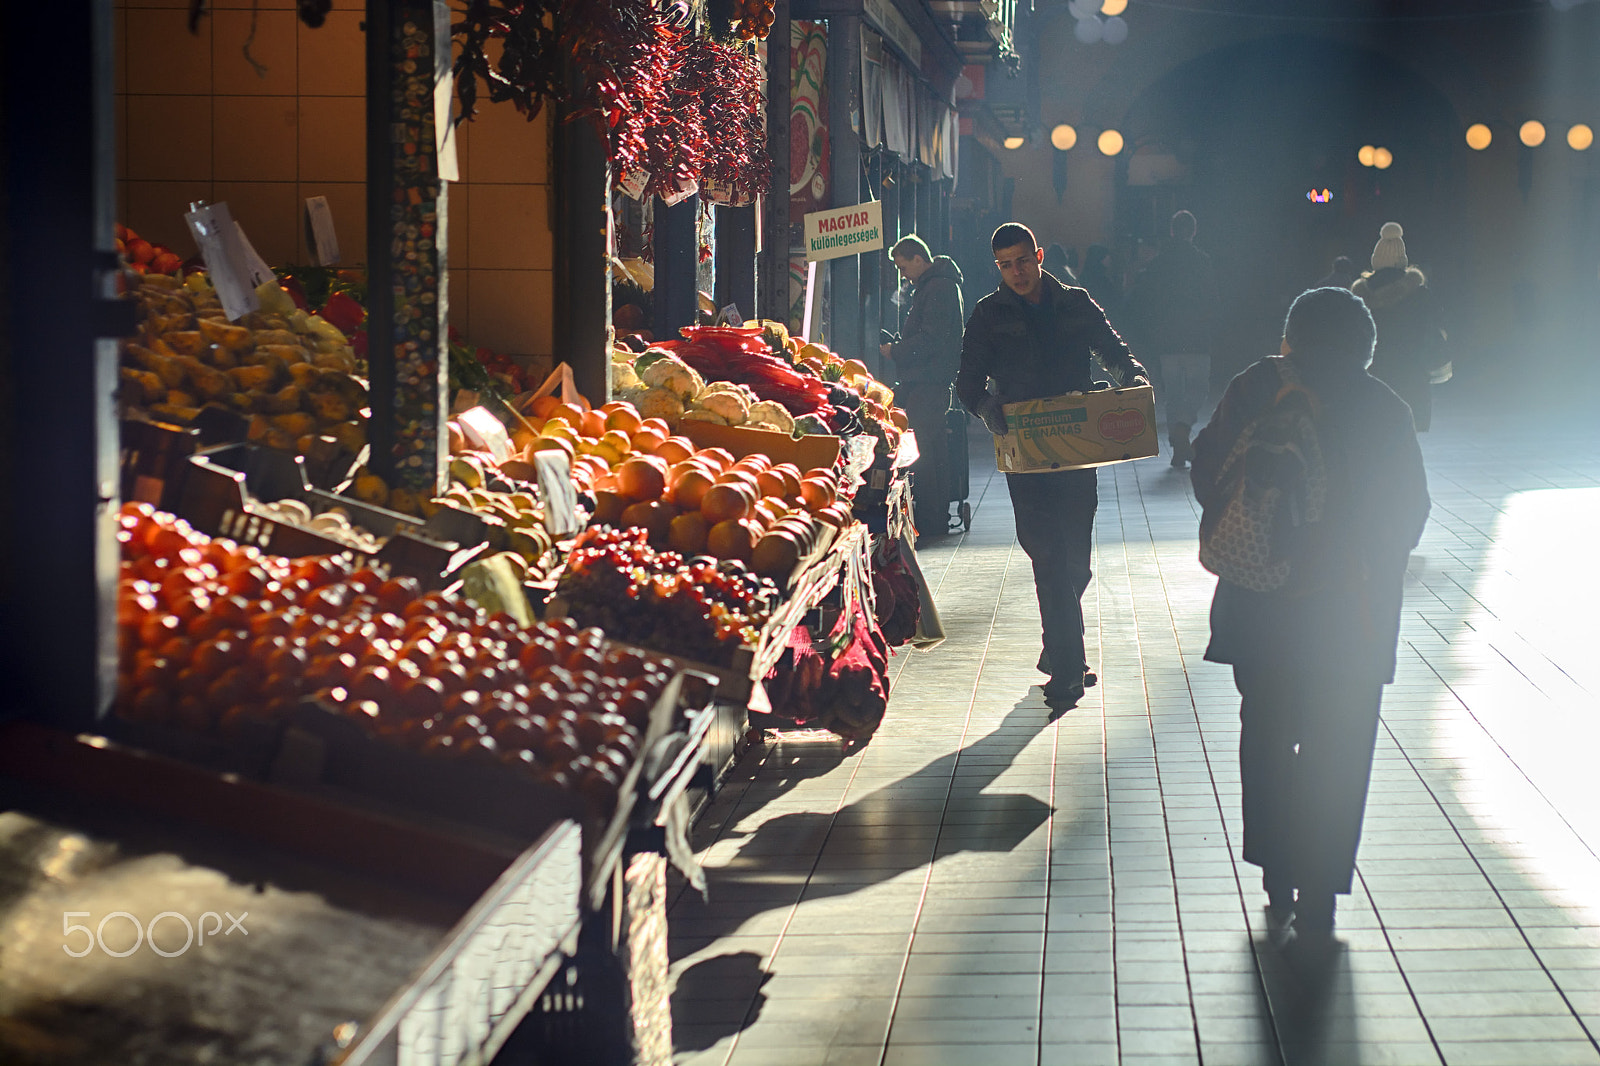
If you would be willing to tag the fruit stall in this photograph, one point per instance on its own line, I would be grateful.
(416, 664)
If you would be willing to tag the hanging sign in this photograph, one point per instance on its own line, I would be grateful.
(844, 231)
(320, 234)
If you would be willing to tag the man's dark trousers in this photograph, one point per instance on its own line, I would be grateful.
(925, 404)
(1055, 526)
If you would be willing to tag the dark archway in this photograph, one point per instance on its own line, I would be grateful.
(1257, 125)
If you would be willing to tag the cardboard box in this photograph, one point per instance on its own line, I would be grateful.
(808, 452)
(1080, 429)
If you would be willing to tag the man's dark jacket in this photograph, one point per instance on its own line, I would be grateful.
(1349, 625)
(1172, 309)
(1037, 350)
(929, 348)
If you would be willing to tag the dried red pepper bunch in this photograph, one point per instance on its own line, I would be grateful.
(731, 87)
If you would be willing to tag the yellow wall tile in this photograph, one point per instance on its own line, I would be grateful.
(256, 138)
(506, 147)
(508, 227)
(156, 208)
(273, 47)
(511, 310)
(164, 57)
(333, 138)
(270, 213)
(169, 138)
(333, 58)
(348, 203)
(120, 110)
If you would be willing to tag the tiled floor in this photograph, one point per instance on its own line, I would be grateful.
(981, 885)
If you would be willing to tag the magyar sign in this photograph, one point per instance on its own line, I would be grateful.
(844, 231)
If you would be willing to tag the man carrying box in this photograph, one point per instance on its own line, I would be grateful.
(1033, 338)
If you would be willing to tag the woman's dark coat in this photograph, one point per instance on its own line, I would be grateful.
(1377, 506)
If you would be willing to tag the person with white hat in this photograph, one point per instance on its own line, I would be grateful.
(1410, 350)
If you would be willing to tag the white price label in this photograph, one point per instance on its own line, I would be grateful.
(222, 248)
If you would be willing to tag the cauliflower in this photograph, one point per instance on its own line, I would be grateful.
(700, 414)
(673, 374)
(657, 403)
(772, 413)
(729, 404)
(623, 377)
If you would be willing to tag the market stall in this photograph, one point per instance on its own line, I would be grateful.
(418, 654)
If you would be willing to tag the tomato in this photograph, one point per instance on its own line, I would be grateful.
(398, 593)
(371, 683)
(153, 672)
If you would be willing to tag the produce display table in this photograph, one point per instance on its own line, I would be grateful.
(361, 937)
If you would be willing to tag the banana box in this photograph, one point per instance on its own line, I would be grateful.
(1080, 429)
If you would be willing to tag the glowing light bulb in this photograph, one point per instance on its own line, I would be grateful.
(1366, 154)
(1110, 142)
(1014, 142)
(1063, 137)
(1381, 158)
(1580, 137)
(1532, 133)
(1478, 136)
(1113, 7)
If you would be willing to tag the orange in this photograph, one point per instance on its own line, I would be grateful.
(673, 449)
(571, 414)
(732, 539)
(625, 417)
(649, 442)
(727, 502)
(720, 458)
(643, 477)
(687, 533)
(689, 488)
(657, 424)
(593, 424)
(816, 492)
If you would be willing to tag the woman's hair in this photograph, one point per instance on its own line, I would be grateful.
(1331, 326)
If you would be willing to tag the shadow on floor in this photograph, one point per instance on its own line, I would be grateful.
(733, 977)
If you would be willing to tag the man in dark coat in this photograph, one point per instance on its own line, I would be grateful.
(1172, 313)
(1034, 338)
(925, 358)
(1310, 660)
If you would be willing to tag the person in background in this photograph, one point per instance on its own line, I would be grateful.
(926, 356)
(1057, 265)
(1310, 660)
(1410, 339)
(1035, 337)
(1342, 276)
(1172, 309)
(1103, 285)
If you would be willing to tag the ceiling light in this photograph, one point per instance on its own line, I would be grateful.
(1110, 142)
(1365, 155)
(1381, 158)
(1478, 136)
(1014, 142)
(1532, 133)
(1580, 137)
(1113, 7)
(1063, 137)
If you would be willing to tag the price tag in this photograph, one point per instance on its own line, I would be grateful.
(483, 430)
(633, 182)
(730, 316)
(255, 266)
(560, 497)
(320, 232)
(221, 247)
(682, 193)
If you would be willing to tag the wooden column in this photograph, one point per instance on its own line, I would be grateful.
(844, 331)
(735, 262)
(582, 327)
(408, 365)
(58, 365)
(676, 257)
(772, 270)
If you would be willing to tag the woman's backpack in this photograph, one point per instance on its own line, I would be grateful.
(1274, 483)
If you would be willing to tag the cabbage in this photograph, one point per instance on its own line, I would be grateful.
(670, 373)
(773, 413)
(658, 403)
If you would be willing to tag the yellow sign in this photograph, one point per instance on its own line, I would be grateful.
(844, 231)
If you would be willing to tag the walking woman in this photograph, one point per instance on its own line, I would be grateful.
(1310, 658)
(1410, 338)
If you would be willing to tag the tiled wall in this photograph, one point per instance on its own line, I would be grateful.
(196, 121)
